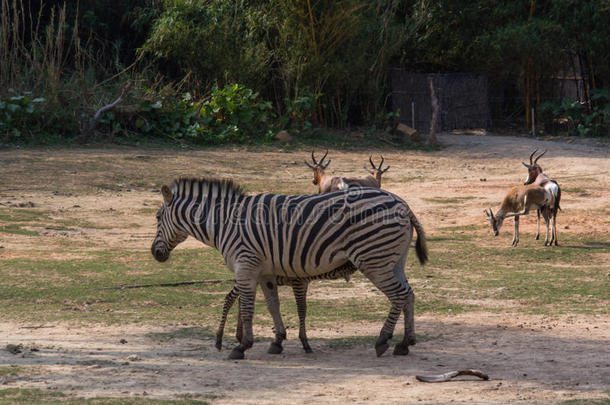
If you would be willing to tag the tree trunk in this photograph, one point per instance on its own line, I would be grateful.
(435, 110)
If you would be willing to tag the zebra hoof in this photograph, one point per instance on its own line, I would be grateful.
(219, 344)
(400, 350)
(275, 348)
(381, 348)
(236, 354)
(412, 341)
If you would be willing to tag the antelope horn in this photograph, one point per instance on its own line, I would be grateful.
(371, 160)
(532, 155)
(539, 156)
(314, 158)
(492, 213)
(323, 157)
(381, 164)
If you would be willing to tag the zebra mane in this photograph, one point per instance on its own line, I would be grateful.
(182, 184)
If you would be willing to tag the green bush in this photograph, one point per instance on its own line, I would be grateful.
(20, 117)
(577, 118)
(232, 114)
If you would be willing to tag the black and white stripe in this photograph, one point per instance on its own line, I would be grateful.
(265, 236)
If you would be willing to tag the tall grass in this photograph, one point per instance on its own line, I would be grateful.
(36, 51)
(44, 56)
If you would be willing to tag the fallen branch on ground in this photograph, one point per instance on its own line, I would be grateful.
(448, 376)
(125, 287)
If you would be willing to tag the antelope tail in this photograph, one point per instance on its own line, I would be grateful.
(420, 245)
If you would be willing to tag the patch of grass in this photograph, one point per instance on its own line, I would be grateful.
(576, 190)
(10, 370)
(534, 278)
(17, 230)
(448, 200)
(467, 272)
(36, 396)
(21, 215)
(60, 228)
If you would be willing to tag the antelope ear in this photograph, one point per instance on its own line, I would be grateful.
(525, 164)
(168, 196)
(386, 169)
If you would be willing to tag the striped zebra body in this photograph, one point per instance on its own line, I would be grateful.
(265, 236)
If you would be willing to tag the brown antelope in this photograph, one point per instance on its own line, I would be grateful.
(374, 180)
(325, 182)
(536, 176)
(519, 201)
(376, 172)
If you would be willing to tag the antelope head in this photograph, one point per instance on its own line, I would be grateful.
(533, 169)
(376, 171)
(496, 222)
(318, 167)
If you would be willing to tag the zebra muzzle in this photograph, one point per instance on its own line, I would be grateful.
(160, 252)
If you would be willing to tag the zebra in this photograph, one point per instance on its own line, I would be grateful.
(326, 183)
(299, 288)
(267, 235)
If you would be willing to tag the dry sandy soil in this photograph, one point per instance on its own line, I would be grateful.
(530, 359)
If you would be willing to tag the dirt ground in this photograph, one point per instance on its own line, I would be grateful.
(530, 359)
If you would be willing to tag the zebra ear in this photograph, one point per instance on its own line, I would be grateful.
(168, 196)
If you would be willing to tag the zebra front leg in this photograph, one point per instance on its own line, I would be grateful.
(299, 288)
(239, 329)
(516, 232)
(246, 285)
(272, 299)
(229, 300)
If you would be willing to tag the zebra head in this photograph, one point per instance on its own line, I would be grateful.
(169, 233)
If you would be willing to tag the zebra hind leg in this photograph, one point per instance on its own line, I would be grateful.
(299, 288)
(402, 348)
(229, 301)
(393, 284)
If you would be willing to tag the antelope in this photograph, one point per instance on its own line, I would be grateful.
(536, 176)
(519, 201)
(325, 182)
(374, 180)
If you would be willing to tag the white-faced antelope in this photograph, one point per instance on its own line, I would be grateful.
(519, 201)
(536, 176)
(325, 182)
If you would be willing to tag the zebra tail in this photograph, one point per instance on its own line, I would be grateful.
(420, 245)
